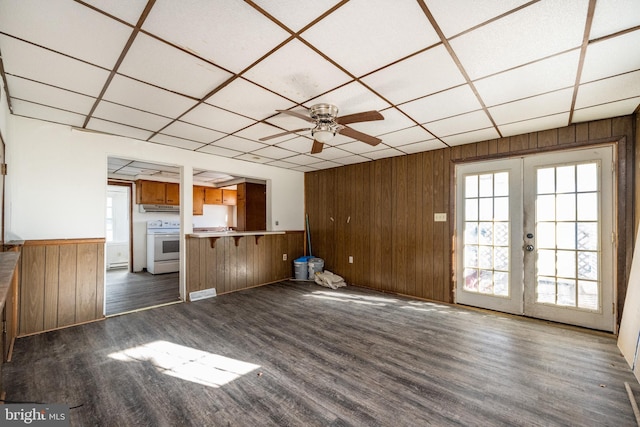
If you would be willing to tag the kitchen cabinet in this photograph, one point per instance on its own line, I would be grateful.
(198, 199)
(229, 197)
(172, 194)
(218, 196)
(212, 196)
(252, 207)
(157, 193)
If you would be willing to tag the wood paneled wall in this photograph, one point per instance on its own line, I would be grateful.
(61, 283)
(381, 212)
(229, 268)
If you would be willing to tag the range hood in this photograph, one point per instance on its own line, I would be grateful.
(159, 208)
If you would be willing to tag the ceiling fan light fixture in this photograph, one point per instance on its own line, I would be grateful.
(323, 134)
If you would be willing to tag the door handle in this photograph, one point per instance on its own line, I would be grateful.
(529, 248)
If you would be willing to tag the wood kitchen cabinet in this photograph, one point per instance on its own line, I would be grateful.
(218, 196)
(229, 197)
(252, 207)
(157, 193)
(172, 194)
(198, 199)
(212, 196)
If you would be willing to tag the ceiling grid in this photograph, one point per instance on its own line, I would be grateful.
(210, 75)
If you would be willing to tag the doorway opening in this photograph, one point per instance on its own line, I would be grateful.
(535, 236)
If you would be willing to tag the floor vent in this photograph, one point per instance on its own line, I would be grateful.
(206, 293)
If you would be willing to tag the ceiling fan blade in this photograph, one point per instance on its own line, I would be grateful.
(317, 147)
(352, 133)
(266, 138)
(365, 116)
(296, 114)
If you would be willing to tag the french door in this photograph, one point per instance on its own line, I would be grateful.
(535, 236)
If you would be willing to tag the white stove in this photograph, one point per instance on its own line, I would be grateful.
(163, 246)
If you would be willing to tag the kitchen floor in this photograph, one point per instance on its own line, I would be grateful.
(126, 291)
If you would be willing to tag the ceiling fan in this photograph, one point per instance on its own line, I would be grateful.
(327, 124)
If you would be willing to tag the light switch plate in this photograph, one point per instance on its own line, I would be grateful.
(440, 217)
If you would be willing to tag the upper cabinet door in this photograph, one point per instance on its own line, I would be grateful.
(172, 194)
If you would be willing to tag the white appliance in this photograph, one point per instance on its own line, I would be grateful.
(163, 246)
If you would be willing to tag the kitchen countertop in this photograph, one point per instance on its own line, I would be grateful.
(232, 233)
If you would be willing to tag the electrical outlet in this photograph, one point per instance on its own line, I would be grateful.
(277, 222)
(350, 259)
(284, 257)
(440, 217)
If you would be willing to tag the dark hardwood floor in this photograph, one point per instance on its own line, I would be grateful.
(296, 354)
(127, 291)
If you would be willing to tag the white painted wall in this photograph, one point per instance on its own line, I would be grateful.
(57, 180)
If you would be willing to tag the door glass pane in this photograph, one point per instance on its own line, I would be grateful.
(568, 250)
(486, 234)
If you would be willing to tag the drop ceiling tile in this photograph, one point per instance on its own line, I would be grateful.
(128, 11)
(232, 34)
(294, 15)
(303, 169)
(147, 168)
(602, 111)
(612, 56)
(324, 165)
(147, 61)
(299, 145)
(543, 76)
(358, 35)
(351, 160)
(288, 122)
(419, 147)
(454, 17)
(118, 129)
(283, 164)
(261, 130)
(219, 151)
(608, 90)
(176, 142)
(537, 106)
(253, 158)
(35, 111)
(449, 103)
(272, 152)
(331, 153)
(234, 96)
(297, 73)
(351, 98)
(393, 120)
(31, 62)
(193, 132)
(520, 38)
(459, 124)
(358, 147)
(126, 91)
(129, 116)
(381, 154)
(66, 27)
(613, 16)
(302, 159)
(406, 136)
(239, 144)
(133, 172)
(216, 118)
(533, 125)
(469, 137)
(48, 95)
(420, 75)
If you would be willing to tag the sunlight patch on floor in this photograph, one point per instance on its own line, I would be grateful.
(190, 364)
(346, 297)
